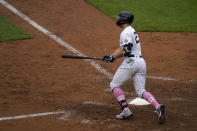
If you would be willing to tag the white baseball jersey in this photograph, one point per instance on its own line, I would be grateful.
(133, 65)
(129, 41)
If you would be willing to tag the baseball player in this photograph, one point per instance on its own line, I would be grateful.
(133, 66)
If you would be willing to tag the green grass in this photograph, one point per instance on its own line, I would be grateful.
(9, 31)
(154, 15)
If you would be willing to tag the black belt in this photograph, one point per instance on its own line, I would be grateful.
(131, 55)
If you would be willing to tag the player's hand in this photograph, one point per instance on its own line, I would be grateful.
(108, 59)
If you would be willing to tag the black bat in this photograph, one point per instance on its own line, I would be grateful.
(79, 57)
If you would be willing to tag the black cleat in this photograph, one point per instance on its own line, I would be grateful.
(161, 113)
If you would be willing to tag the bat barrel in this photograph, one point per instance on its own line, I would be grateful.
(79, 57)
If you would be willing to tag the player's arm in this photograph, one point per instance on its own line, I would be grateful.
(118, 53)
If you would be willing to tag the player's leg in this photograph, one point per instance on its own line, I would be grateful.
(139, 80)
(149, 97)
(139, 84)
(160, 108)
(121, 76)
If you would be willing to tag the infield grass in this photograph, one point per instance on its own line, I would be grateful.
(154, 15)
(9, 31)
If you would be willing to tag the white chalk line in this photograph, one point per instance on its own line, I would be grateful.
(31, 115)
(162, 78)
(66, 45)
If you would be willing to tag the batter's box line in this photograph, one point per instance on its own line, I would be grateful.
(69, 47)
(31, 115)
(170, 79)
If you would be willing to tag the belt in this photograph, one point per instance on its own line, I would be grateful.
(131, 55)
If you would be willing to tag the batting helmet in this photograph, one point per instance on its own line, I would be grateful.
(124, 17)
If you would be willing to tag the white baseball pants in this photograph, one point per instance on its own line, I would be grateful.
(135, 68)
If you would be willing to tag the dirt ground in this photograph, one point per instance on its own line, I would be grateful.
(34, 79)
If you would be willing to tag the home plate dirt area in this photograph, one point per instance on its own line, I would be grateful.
(40, 91)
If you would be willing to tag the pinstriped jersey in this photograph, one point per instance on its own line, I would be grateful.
(129, 42)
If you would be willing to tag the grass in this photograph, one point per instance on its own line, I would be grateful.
(9, 31)
(154, 15)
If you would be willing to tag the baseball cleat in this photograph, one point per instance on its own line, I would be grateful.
(124, 114)
(161, 113)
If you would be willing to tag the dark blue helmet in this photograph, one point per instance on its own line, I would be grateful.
(124, 17)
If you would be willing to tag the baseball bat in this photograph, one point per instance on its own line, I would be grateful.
(79, 57)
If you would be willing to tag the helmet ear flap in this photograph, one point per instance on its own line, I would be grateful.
(120, 23)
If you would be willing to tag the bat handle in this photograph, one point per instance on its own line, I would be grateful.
(98, 58)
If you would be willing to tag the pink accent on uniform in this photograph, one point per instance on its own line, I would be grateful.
(148, 96)
(120, 98)
(119, 94)
(123, 104)
(126, 108)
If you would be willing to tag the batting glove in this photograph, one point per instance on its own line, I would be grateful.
(108, 59)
